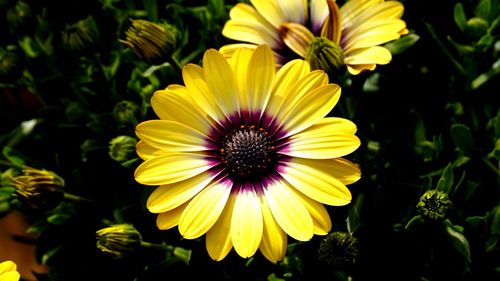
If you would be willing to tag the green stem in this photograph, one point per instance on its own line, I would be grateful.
(157, 246)
(76, 198)
(175, 64)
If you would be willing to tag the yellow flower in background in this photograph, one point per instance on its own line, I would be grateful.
(326, 36)
(245, 155)
(8, 271)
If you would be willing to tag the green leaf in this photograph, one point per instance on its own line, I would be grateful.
(37, 227)
(461, 48)
(353, 219)
(4, 207)
(497, 125)
(402, 44)
(50, 253)
(58, 219)
(446, 181)
(486, 76)
(459, 17)
(475, 221)
(495, 221)
(462, 137)
(273, 277)
(458, 240)
(483, 10)
(415, 221)
(151, 7)
(13, 156)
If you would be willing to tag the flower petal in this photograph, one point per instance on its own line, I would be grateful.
(356, 69)
(309, 109)
(260, 76)
(221, 82)
(171, 168)
(7, 266)
(167, 220)
(246, 222)
(170, 196)
(174, 104)
(146, 151)
(322, 223)
(172, 136)
(204, 209)
(218, 241)
(271, 11)
(372, 55)
(274, 239)
(296, 36)
(239, 62)
(10, 276)
(194, 78)
(314, 178)
(344, 170)
(319, 12)
(289, 212)
(328, 138)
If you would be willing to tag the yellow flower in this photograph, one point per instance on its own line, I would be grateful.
(357, 29)
(243, 153)
(8, 271)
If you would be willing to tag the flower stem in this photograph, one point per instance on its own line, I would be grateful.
(76, 198)
(156, 246)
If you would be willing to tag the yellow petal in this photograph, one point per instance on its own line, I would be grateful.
(383, 10)
(249, 31)
(319, 12)
(381, 25)
(370, 39)
(170, 196)
(167, 220)
(172, 136)
(245, 15)
(10, 276)
(323, 140)
(356, 69)
(372, 55)
(294, 10)
(221, 82)
(296, 36)
(204, 209)
(322, 223)
(343, 170)
(293, 86)
(270, 10)
(7, 266)
(260, 78)
(246, 223)
(314, 179)
(332, 27)
(310, 109)
(239, 63)
(174, 104)
(351, 9)
(194, 78)
(146, 151)
(274, 240)
(171, 168)
(289, 212)
(218, 240)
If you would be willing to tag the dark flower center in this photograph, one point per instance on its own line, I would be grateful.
(248, 152)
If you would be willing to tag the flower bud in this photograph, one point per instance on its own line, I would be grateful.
(125, 111)
(477, 27)
(40, 189)
(118, 241)
(339, 250)
(326, 55)
(81, 35)
(122, 148)
(434, 205)
(150, 41)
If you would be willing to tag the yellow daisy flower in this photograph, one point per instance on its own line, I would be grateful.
(243, 153)
(326, 36)
(8, 271)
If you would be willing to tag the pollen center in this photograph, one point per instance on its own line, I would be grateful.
(248, 152)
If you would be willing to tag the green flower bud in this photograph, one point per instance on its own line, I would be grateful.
(18, 15)
(40, 189)
(477, 27)
(10, 63)
(150, 41)
(81, 35)
(339, 250)
(118, 241)
(122, 148)
(434, 205)
(326, 55)
(125, 111)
